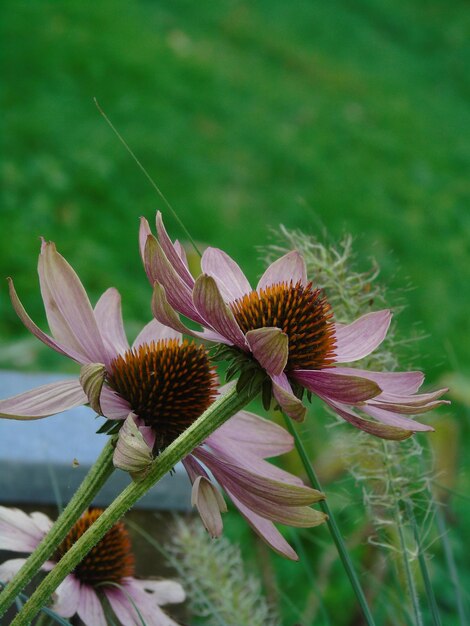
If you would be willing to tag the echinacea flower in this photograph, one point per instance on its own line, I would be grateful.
(284, 327)
(235, 456)
(115, 379)
(106, 571)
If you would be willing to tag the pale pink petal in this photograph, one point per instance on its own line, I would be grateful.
(21, 532)
(67, 597)
(89, 607)
(357, 340)
(289, 268)
(210, 504)
(230, 279)
(390, 382)
(9, 569)
(210, 304)
(181, 252)
(147, 432)
(37, 332)
(122, 606)
(193, 467)
(417, 400)
(147, 605)
(160, 270)
(173, 253)
(210, 335)
(288, 402)
(109, 319)
(69, 297)
(113, 406)
(44, 401)
(270, 347)
(144, 234)
(337, 387)
(155, 331)
(247, 431)
(265, 529)
(406, 409)
(162, 591)
(394, 419)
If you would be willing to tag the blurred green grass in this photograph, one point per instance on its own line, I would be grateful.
(349, 118)
(248, 114)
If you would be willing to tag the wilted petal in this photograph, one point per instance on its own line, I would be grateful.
(66, 293)
(108, 316)
(173, 253)
(211, 305)
(44, 401)
(37, 332)
(210, 504)
(113, 406)
(289, 268)
(357, 340)
(132, 454)
(288, 402)
(230, 279)
(89, 608)
(21, 532)
(338, 387)
(270, 347)
(155, 331)
(92, 378)
(390, 382)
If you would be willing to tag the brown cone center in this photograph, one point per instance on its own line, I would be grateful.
(168, 384)
(302, 312)
(110, 561)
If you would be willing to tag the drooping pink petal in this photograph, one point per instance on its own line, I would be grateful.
(248, 431)
(210, 504)
(193, 467)
(44, 401)
(37, 332)
(289, 268)
(21, 532)
(162, 591)
(384, 431)
(113, 406)
(144, 234)
(356, 340)
(155, 331)
(394, 419)
(147, 432)
(181, 252)
(265, 529)
(270, 347)
(177, 291)
(288, 402)
(173, 253)
(109, 319)
(89, 607)
(417, 400)
(147, 604)
(390, 382)
(337, 387)
(210, 304)
(406, 409)
(230, 279)
(68, 295)
(67, 597)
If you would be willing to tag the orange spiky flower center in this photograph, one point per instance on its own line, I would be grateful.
(110, 561)
(301, 312)
(168, 385)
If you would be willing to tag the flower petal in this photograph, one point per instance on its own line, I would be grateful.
(144, 234)
(338, 387)
(173, 253)
(389, 382)
(209, 302)
(270, 347)
(44, 401)
(357, 340)
(162, 591)
(155, 331)
(91, 379)
(132, 454)
(230, 279)
(113, 406)
(210, 504)
(108, 316)
(67, 295)
(132, 594)
(9, 569)
(177, 291)
(89, 607)
(265, 529)
(288, 402)
(21, 532)
(37, 332)
(289, 268)
(406, 409)
(67, 597)
(394, 419)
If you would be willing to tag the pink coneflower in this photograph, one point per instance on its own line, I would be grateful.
(106, 571)
(284, 328)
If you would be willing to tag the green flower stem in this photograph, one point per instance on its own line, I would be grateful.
(92, 483)
(218, 413)
(332, 526)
